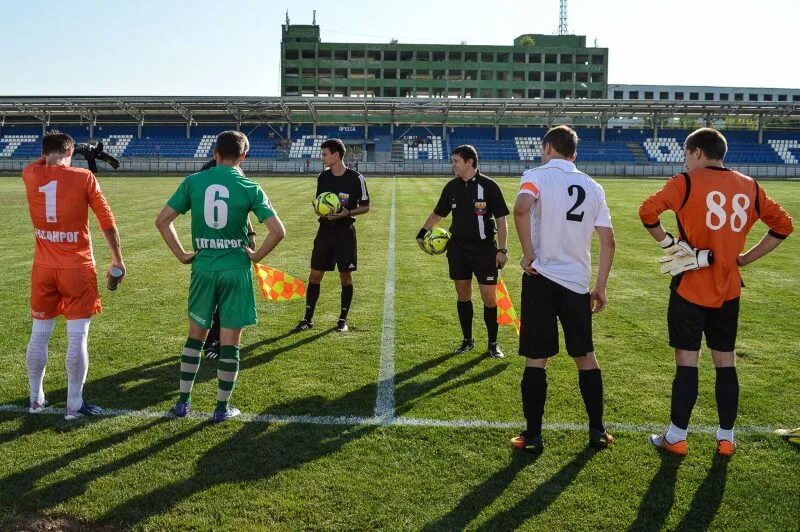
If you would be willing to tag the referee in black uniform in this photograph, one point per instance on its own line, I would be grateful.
(479, 212)
(335, 243)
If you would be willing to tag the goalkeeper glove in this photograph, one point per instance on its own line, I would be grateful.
(672, 245)
(112, 161)
(687, 258)
(92, 153)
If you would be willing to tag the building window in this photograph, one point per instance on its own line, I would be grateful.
(390, 92)
(663, 95)
(597, 77)
(518, 93)
(566, 59)
(503, 76)
(487, 75)
(679, 96)
(781, 97)
(582, 59)
(617, 95)
(340, 55)
(633, 95)
(582, 94)
(738, 97)
(597, 95)
(439, 74)
(407, 55)
(565, 93)
(582, 77)
(752, 97)
(767, 97)
(723, 96)
(373, 55)
(486, 93)
(551, 59)
(549, 93)
(566, 76)
(519, 58)
(648, 95)
(519, 76)
(423, 56)
(356, 55)
(470, 75)
(456, 56)
(439, 56)
(503, 57)
(551, 76)
(487, 57)
(710, 96)
(796, 97)
(292, 72)
(534, 76)
(694, 96)
(471, 57)
(390, 55)
(534, 93)
(390, 73)
(534, 58)
(598, 60)
(292, 55)
(325, 54)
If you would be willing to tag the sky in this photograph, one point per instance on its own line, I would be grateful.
(227, 48)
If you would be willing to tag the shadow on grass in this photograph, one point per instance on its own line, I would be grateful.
(660, 496)
(708, 497)
(542, 497)
(157, 381)
(483, 495)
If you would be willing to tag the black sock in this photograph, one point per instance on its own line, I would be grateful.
(490, 319)
(684, 396)
(347, 299)
(534, 394)
(465, 317)
(590, 382)
(727, 392)
(213, 332)
(312, 294)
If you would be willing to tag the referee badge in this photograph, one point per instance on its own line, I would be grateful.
(343, 197)
(480, 208)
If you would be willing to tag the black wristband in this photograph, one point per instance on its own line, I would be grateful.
(421, 233)
(251, 233)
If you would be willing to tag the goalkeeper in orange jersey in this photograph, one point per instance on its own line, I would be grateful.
(64, 278)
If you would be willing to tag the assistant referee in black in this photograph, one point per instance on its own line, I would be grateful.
(478, 243)
(335, 243)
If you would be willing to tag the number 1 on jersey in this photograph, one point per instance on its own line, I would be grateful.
(49, 191)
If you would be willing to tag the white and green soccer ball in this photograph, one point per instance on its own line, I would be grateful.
(436, 240)
(327, 203)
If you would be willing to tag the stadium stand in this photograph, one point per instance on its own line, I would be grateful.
(424, 149)
(418, 143)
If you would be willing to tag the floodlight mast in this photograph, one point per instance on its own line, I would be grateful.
(562, 19)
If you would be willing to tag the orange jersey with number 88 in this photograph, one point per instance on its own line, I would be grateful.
(715, 207)
(59, 199)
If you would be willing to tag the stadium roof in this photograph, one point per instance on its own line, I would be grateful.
(354, 111)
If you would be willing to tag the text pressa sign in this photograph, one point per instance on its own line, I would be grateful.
(346, 129)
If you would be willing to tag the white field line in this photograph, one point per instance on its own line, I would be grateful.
(384, 402)
(641, 428)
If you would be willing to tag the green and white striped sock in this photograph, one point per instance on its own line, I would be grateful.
(227, 371)
(190, 365)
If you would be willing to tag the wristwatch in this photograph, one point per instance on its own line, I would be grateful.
(504, 251)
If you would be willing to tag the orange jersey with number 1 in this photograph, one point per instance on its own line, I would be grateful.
(715, 207)
(59, 198)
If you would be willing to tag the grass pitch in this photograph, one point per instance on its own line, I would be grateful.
(143, 471)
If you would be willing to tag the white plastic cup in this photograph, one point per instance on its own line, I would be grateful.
(115, 274)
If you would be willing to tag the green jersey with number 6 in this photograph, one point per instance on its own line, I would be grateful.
(220, 199)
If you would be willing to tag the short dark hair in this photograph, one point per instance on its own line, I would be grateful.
(710, 141)
(232, 144)
(55, 141)
(467, 152)
(334, 146)
(563, 139)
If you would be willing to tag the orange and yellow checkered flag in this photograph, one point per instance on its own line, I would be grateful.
(506, 315)
(277, 286)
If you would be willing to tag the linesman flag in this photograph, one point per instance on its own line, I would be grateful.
(278, 286)
(506, 315)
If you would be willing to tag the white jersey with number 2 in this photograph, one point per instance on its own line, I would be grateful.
(569, 205)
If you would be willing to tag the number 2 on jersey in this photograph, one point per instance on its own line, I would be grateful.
(571, 216)
(215, 211)
(716, 217)
(49, 191)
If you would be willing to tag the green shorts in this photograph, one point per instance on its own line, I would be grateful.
(229, 290)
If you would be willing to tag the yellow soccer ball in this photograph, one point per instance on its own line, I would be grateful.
(327, 203)
(436, 240)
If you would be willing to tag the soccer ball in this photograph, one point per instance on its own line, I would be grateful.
(436, 240)
(327, 203)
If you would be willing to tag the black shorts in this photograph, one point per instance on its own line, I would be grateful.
(479, 259)
(335, 246)
(544, 303)
(687, 322)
